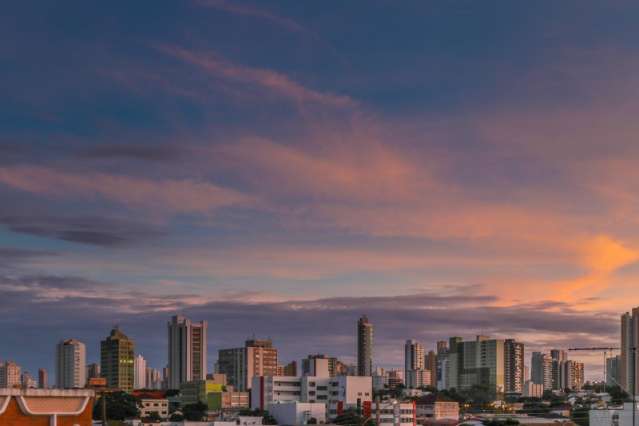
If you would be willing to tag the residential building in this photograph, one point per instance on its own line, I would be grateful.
(533, 390)
(257, 358)
(289, 369)
(36, 407)
(392, 413)
(416, 379)
(338, 393)
(513, 367)
(43, 379)
(153, 379)
(364, 347)
(432, 409)
(298, 413)
(117, 360)
(27, 381)
(187, 350)
(572, 375)
(413, 356)
(152, 405)
(394, 378)
(613, 365)
(139, 373)
(335, 367)
(628, 371)
(557, 357)
(541, 369)
(70, 364)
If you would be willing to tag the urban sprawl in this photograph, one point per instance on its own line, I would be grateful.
(484, 381)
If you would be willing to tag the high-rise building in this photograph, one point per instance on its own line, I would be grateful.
(572, 375)
(187, 351)
(557, 357)
(153, 378)
(335, 367)
(628, 370)
(139, 372)
(256, 358)
(9, 374)
(93, 371)
(27, 381)
(117, 359)
(613, 365)
(414, 364)
(364, 347)
(71, 358)
(541, 369)
(514, 366)
(43, 379)
(430, 363)
(481, 363)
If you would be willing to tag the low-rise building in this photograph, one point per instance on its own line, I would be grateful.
(622, 416)
(431, 409)
(198, 390)
(159, 406)
(391, 413)
(298, 413)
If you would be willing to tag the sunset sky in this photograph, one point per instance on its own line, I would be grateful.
(279, 168)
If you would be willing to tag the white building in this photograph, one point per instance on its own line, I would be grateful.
(394, 413)
(70, 364)
(336, 393)
(187, 351)
(613, 417)
(159, 406)
(413, 356)
(298, 413)
(139, 373)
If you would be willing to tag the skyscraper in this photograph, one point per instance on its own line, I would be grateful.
(43, 379)
(256, 358)
(613, 365)
(541, 369)
(514, 366)
(71, 358)
(364, 347)
(187, 351)
(139, 373)
(628, 370)
(430, 363)
(481, 362)
(117, 359)
(558, 357)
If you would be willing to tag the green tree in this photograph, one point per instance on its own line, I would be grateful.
(119, 406)
(194, 412)
(580, 415)
(176, 417)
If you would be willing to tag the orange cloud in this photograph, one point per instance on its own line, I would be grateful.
(176, 196)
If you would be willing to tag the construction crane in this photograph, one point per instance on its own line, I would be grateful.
(605, 351)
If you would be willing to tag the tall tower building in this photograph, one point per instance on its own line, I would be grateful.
(93, 371)
(481, 362)
(187, 351)
(9, 374)
(413, 362)
(139, 373)
(541, 369)
(70, 362)
(514, 377)
(117, 360)
(43, 379)
(558, 357)
(430, 363)
(256, 358)
(364, 347)
(628, 371)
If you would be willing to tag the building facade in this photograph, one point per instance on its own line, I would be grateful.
(541, 369)
(139, 373)
(43, 378)
(70, 361)
(514, 366)
(364, 347)
(117, 359)
(628, 370)
(257, 358)
(187, 350)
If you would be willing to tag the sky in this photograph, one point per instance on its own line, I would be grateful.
(279, 168)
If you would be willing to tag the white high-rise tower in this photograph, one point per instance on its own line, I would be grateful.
(71, 370)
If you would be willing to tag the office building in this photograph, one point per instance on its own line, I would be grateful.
(557, 357)
(93, 371)
(43, 379)
(628, 370)
(364, 347)
(257, 358)
(117, 360)
(541, 369)
(153, 379)
(481, 363)
(187, 350)
(513, 367)
(139, 373)
(335, 367)
(70, 364)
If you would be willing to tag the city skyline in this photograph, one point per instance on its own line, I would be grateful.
(280, 169)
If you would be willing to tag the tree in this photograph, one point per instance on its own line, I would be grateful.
(176, 417)
(195, 412)
(617, 395)
(119, 406)
(580, 415)
(153, 417)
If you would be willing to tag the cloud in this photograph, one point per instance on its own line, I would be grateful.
(265, 79)
(165, 195)
(98, 231)
(252, 11)
(154, 152)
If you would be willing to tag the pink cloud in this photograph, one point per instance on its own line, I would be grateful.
(175, 196)
(271, 81)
